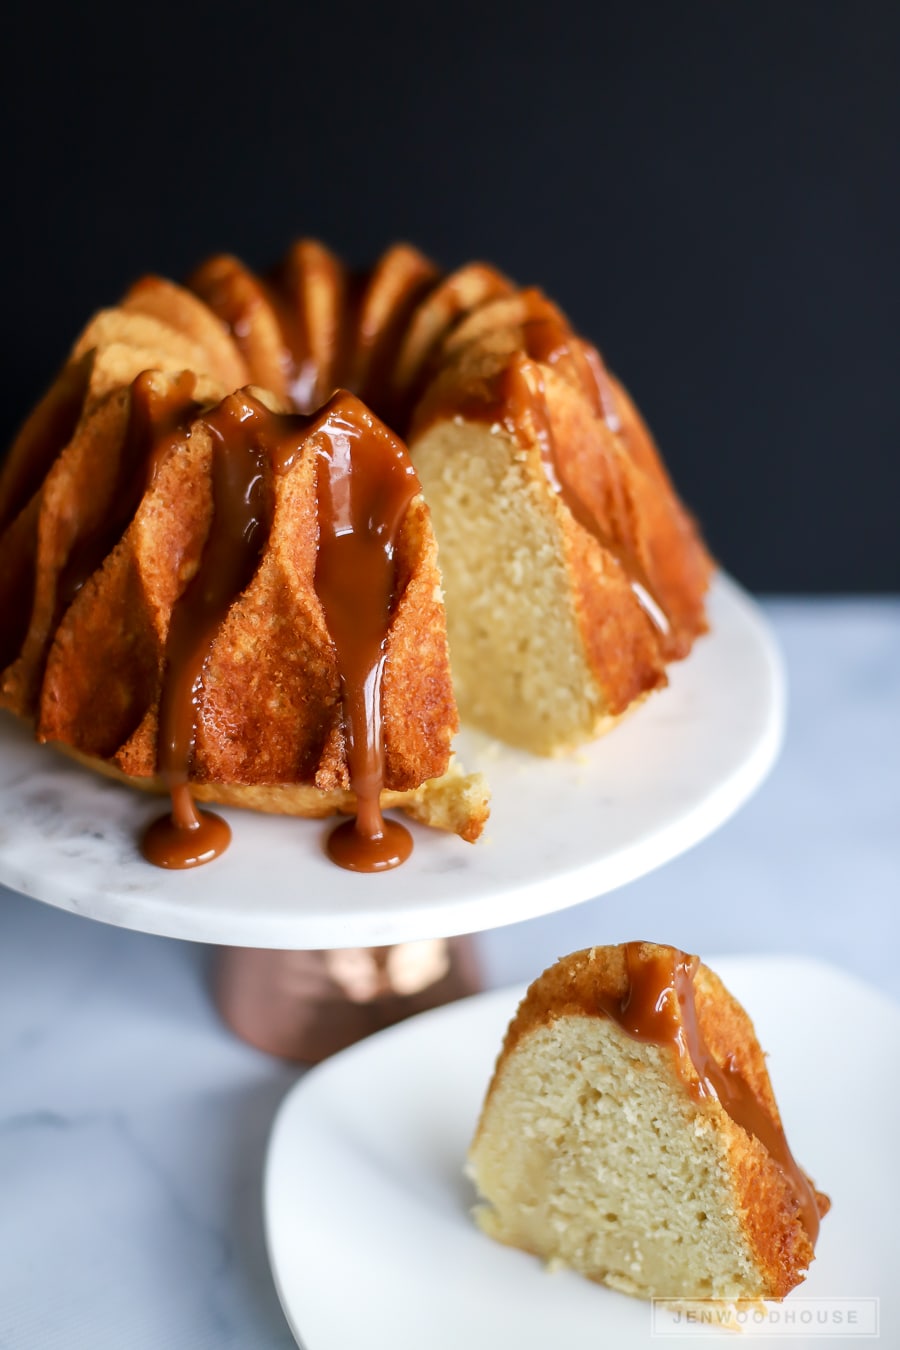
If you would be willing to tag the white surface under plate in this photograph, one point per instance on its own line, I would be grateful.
(367, 1208)
(561, 831)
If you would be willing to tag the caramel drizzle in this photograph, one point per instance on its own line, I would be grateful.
(365, 483)
(240, 521)
(659, 1008)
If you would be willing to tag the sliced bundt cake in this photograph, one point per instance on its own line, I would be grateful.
(572, 573)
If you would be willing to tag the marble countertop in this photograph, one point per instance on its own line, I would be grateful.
(133, 1126)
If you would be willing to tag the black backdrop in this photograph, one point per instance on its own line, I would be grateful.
(709, 189)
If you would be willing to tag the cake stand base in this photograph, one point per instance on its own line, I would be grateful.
(307, 1005)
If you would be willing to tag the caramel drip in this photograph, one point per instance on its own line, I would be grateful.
(156, 422)
(659, 1008)
(186, 837)
(44, 436)
(240, 521)
(525, 404)
(365, 483)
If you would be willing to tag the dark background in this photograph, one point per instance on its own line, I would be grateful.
(709, 189)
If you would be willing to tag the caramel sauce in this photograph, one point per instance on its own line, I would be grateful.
(659, 1008)
(385, 844)
(185, 837)
(365, 483)
(238, 530)
(156, 422)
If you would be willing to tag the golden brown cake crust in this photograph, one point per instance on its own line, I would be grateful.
(616, 473)
(271, 706)
(575, 986)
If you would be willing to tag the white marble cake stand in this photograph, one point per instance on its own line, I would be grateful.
(561, 831)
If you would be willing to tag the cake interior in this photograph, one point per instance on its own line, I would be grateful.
(500, 537)
(595, 1156)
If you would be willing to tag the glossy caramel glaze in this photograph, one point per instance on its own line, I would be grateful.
(185, 837)
(659, 1007)
(365, 484)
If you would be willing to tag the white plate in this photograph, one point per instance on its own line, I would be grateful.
(366, 1206)
(561, 831)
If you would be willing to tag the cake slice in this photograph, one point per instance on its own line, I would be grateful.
(630, 1132)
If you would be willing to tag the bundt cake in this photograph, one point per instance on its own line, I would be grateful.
(166, 511)
(630, 1132)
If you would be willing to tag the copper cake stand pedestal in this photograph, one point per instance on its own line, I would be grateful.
(308, 1005)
